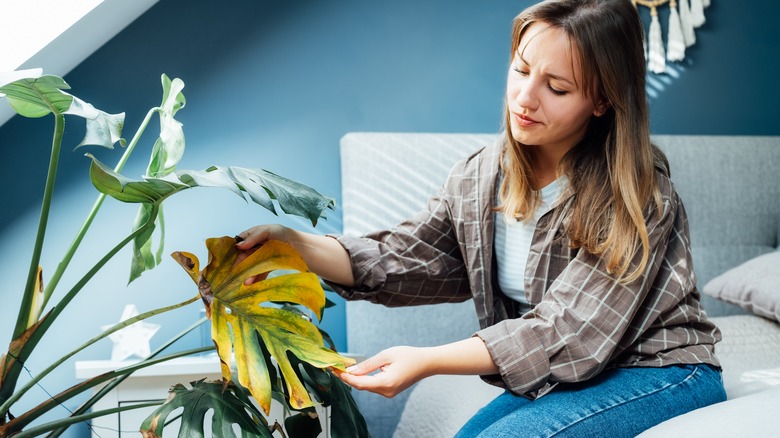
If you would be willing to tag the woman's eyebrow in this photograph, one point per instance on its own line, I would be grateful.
(551, 75)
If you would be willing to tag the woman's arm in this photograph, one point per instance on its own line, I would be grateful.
(323, 255)
(401, 367)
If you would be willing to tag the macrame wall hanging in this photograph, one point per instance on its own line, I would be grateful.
(680, 33)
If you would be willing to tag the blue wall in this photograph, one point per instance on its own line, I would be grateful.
(275, 84)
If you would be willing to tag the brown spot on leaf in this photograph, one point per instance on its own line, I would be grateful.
(204, 288)
(150, 433)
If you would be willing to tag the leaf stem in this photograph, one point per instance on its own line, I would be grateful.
(59, 307)
(116, 327)
(114, 383)
(120, 374)
(67, 421)
(55, 279)
(27, 299)
(46, 322)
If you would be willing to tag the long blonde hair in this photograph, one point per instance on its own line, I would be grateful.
(612, 169)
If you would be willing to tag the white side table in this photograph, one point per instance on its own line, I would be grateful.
(152, 383)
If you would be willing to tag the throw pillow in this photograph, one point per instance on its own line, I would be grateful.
(753, 286)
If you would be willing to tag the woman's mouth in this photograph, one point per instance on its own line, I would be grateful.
(524, 121)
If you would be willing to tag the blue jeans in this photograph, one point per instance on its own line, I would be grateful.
(620, 402)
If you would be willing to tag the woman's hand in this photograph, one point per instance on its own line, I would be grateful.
(256, 236)
(399, 368)
(252, 239)
(323, 255)
(402, 367)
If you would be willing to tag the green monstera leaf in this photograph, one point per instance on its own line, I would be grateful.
(260, 186)
(39, 96)
(166, 154)
(229, 406)
(239, 314)
(169, 147)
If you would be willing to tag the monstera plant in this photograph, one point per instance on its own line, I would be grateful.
(262, 330)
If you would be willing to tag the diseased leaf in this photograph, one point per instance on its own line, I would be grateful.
(37, 302)
(229, 407)
(190, 263)
(8, 370)
(238, 309)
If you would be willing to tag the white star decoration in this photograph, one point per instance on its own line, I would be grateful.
(132, 340)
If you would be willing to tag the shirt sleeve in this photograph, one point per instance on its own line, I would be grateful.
(417, 262)
(583, 318)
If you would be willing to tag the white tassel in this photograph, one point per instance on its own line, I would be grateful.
(675, 44)
(687, 27)
(656, 62)
(705, 3)
(697, 13)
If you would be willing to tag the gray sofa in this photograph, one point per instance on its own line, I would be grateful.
(731, 190)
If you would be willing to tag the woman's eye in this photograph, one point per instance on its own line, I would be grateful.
(522, 72)
(556, 91)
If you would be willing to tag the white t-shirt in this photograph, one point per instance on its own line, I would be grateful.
(512, 242)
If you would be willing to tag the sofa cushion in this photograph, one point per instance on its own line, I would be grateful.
(753, 286)
(750, 343)
(440, 405)
(753, 415)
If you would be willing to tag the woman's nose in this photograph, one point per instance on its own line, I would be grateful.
(527, 95)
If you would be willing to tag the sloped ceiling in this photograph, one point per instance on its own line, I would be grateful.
(83, 38)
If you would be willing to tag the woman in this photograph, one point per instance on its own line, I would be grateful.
(590, 315)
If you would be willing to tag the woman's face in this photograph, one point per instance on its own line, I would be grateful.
(545, 98)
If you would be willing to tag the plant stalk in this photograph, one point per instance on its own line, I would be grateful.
(114, 383)
(29, 289)
(59, 307)
(13, 374)
(11, 400)
(67, 421)
(23, 420)
(55, 279)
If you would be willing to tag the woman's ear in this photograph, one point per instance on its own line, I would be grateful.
(601, 107)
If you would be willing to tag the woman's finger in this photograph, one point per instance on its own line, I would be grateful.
(376, 383)
(252, 237)
(367, 366)
(256, 278)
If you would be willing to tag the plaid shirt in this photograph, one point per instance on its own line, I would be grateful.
(583, 320)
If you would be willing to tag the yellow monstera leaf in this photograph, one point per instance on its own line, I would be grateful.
(237, 308)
